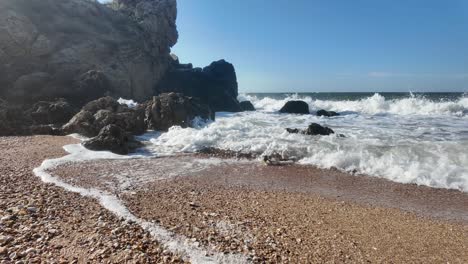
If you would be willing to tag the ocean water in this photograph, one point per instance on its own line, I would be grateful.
(403, 137)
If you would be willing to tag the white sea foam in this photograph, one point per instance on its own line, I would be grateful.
(175, 243)
(409, 140)
(376, 104)
(129, 103)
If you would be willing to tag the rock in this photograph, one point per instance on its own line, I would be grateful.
(316, 129)
(295, 107)
(79, 50)
(327, 113)
(174, 109)
(91, 85)
(111, 138)
(294, 130)
(313, 129)
(12, 120)
(215, 85)
(82, 123)
(45, 130)
(247, 106)
(106, 111)
(56, 112)
(3, 251)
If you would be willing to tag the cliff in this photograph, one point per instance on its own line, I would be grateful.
(81, 50)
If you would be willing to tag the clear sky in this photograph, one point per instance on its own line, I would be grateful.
(330, 45)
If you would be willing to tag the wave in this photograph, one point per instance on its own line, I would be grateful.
(425, 150)
(373, 105)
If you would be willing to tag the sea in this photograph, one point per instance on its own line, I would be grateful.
(419, 138)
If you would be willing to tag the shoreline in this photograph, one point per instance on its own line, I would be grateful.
(285, 214)
(269, 214)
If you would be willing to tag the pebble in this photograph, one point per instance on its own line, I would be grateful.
(3, 250)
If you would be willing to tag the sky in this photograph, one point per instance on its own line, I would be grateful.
(330, 45)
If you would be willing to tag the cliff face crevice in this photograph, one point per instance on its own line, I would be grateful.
(47, 46)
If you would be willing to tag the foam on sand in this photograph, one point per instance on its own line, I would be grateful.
(175, 243)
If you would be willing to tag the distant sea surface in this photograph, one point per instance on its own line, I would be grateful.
(417, 138)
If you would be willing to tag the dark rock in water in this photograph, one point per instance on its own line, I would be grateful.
(294, 130)
(327, 113)
(174, 109)
(215, 85)
(111, 138)
(316, 129)
(247, 106)
(295, 107)
(106, 111)
(79, 50)
(313, 129)
(223, 153)
(57, 112)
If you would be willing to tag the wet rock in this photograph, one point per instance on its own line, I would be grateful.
(316, 129)
(313, 129)
(173, 109)
(327, 113)
(111, 138)
(247, 106)
(106, 111)
(295, 107)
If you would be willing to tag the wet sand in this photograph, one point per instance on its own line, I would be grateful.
(287, 214)
(41, 223)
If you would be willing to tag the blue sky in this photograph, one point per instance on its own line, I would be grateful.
(333, 45)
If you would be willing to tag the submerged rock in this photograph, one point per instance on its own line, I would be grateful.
(327, 113)
(316, 129)
(111, 138)
(247, 106)
(295, 107)
(174, 109)
(313, 129)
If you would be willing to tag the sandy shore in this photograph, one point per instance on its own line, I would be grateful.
(41, 223)
(294, 214)
(290, 214)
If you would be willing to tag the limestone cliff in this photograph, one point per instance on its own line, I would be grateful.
(80, 49)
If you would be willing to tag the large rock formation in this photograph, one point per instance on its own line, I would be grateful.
(216, 84)
(81, 50)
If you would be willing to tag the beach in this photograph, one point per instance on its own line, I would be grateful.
(42, 223)
(238, 208)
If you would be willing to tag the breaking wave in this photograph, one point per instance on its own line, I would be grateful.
(407, 140)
